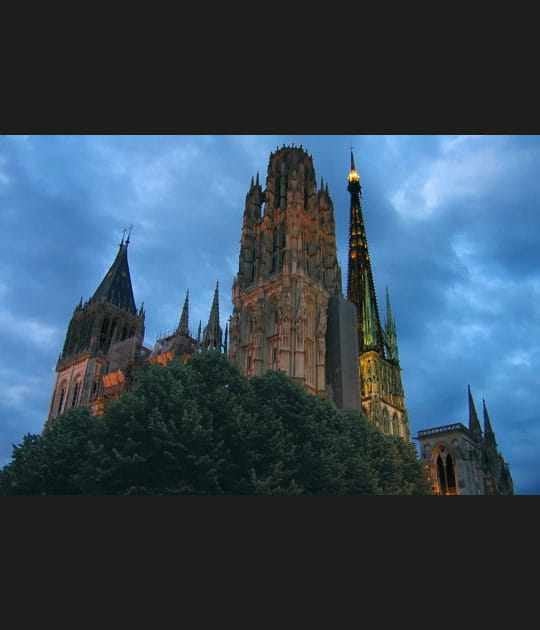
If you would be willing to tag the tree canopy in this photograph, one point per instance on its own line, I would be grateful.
(204, 428)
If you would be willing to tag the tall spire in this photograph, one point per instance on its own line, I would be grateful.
(212, 336)
(183, 326)
(116, 286)
(474, 423)
(489, 434)
(359, 270)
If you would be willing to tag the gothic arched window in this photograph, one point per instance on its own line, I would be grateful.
(75, 394)
(395, 424)
(61, 399)
(385, 421)
(445, 472)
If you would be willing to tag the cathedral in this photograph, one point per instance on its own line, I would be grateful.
(289, 314)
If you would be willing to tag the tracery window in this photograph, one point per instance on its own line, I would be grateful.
(445, 472)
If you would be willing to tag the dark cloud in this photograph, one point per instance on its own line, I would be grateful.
(452, 225)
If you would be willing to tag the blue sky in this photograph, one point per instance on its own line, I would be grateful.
(453, 227)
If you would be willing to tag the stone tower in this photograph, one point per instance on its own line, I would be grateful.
(288, 277)
(463, 460)
(382, 395)
(103, 344)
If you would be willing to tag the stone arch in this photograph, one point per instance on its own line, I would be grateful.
(444, 465)
(75, 392)
(386, 422)
(246, 325)
(395, 424)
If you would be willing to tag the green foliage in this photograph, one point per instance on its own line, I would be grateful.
(65, 459)
(204, 428)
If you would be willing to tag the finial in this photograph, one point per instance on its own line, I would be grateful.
(128, 230)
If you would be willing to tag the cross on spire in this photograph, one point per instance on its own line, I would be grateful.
(128, 230)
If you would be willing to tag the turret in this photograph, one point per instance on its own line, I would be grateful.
(212, 335)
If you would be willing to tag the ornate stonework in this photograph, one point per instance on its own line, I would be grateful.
(288, 270)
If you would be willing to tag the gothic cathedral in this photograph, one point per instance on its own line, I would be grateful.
(289, 314)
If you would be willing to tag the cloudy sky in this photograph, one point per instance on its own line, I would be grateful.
(453, 227)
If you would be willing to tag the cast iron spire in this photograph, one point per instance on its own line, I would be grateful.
(359, 270)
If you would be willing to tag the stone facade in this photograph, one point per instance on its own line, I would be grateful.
(287, 273)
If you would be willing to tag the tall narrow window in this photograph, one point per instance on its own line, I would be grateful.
(76, 388)
(61, 400)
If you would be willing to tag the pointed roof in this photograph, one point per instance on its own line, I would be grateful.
(116, 286)
(474, 423)
(214, 311)
(183, 326)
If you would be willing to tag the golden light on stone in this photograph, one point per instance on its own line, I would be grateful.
(353, 176)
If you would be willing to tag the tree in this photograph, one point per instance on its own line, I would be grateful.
(64, 459)
(204, 428)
